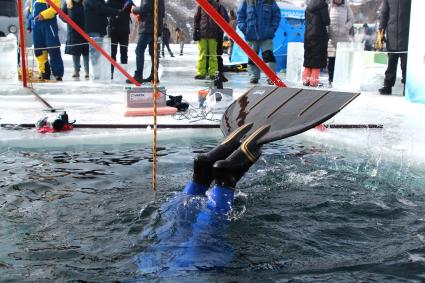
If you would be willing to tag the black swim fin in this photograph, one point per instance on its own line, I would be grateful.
(288, 111)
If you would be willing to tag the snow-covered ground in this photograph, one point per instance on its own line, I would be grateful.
(89, 102)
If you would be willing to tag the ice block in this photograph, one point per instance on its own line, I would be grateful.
(295, 62)
(348, 66)
(100, 67)
(9, 54)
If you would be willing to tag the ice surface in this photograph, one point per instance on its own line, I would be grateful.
(295, 62)
(9, 58)
(402, 139)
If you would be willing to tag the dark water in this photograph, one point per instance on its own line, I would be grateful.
(303, 213)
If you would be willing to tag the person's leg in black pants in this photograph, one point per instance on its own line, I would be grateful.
(124, 38)
(403, 58)
(114, 49)
(163, 49)
(220, 60)
(151, 53)
(390, 74)
(167, 44)
(331, 69)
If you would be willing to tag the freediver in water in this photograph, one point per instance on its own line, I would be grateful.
(225, 165)
(191, 233)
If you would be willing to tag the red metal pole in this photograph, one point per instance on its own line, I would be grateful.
(92, 42)
(239, 41)
(22, 44)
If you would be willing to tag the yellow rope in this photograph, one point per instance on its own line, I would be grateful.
(155, 91)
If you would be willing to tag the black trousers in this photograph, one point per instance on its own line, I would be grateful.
(122, 40)
(391, 72)
(219, 54)
(166, 44)
(331, 68)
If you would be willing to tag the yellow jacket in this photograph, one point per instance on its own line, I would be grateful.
(49, 12)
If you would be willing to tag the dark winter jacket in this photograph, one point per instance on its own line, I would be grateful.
(223, 12)
(395, 20)
(121, 23)
(146, 12)
(166, 35)
(316, 36)
(258, 19)
(96, 14)
(205, 25)
(75, 43)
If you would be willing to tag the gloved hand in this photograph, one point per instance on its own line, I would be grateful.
(196, 35)
(229, 171)
(380, 39)
(39, 17)
(203, 163)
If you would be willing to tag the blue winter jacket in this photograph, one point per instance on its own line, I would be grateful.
(258, 19)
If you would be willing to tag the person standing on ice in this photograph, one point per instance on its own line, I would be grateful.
(342, 20)
(96, 14)
(205, 32)
(259, 20)
(233, 23)
(76, 45)
(44, 26)
(166, 36)
(146, 36)
(367, 37)
(395, 22)
(180, 39)
(315, 41)
(219, 39)
(119, 31)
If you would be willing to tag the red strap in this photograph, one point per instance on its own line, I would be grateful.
(48, 130)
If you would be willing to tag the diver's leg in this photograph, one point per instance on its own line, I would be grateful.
(202, 165)
(229, 171)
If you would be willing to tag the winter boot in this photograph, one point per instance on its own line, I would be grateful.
(386, 90)
(253, 81)
(200, 77)
(76, 74)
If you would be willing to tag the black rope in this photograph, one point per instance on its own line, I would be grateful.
(181, 126)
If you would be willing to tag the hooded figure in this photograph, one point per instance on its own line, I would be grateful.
(315, 41)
